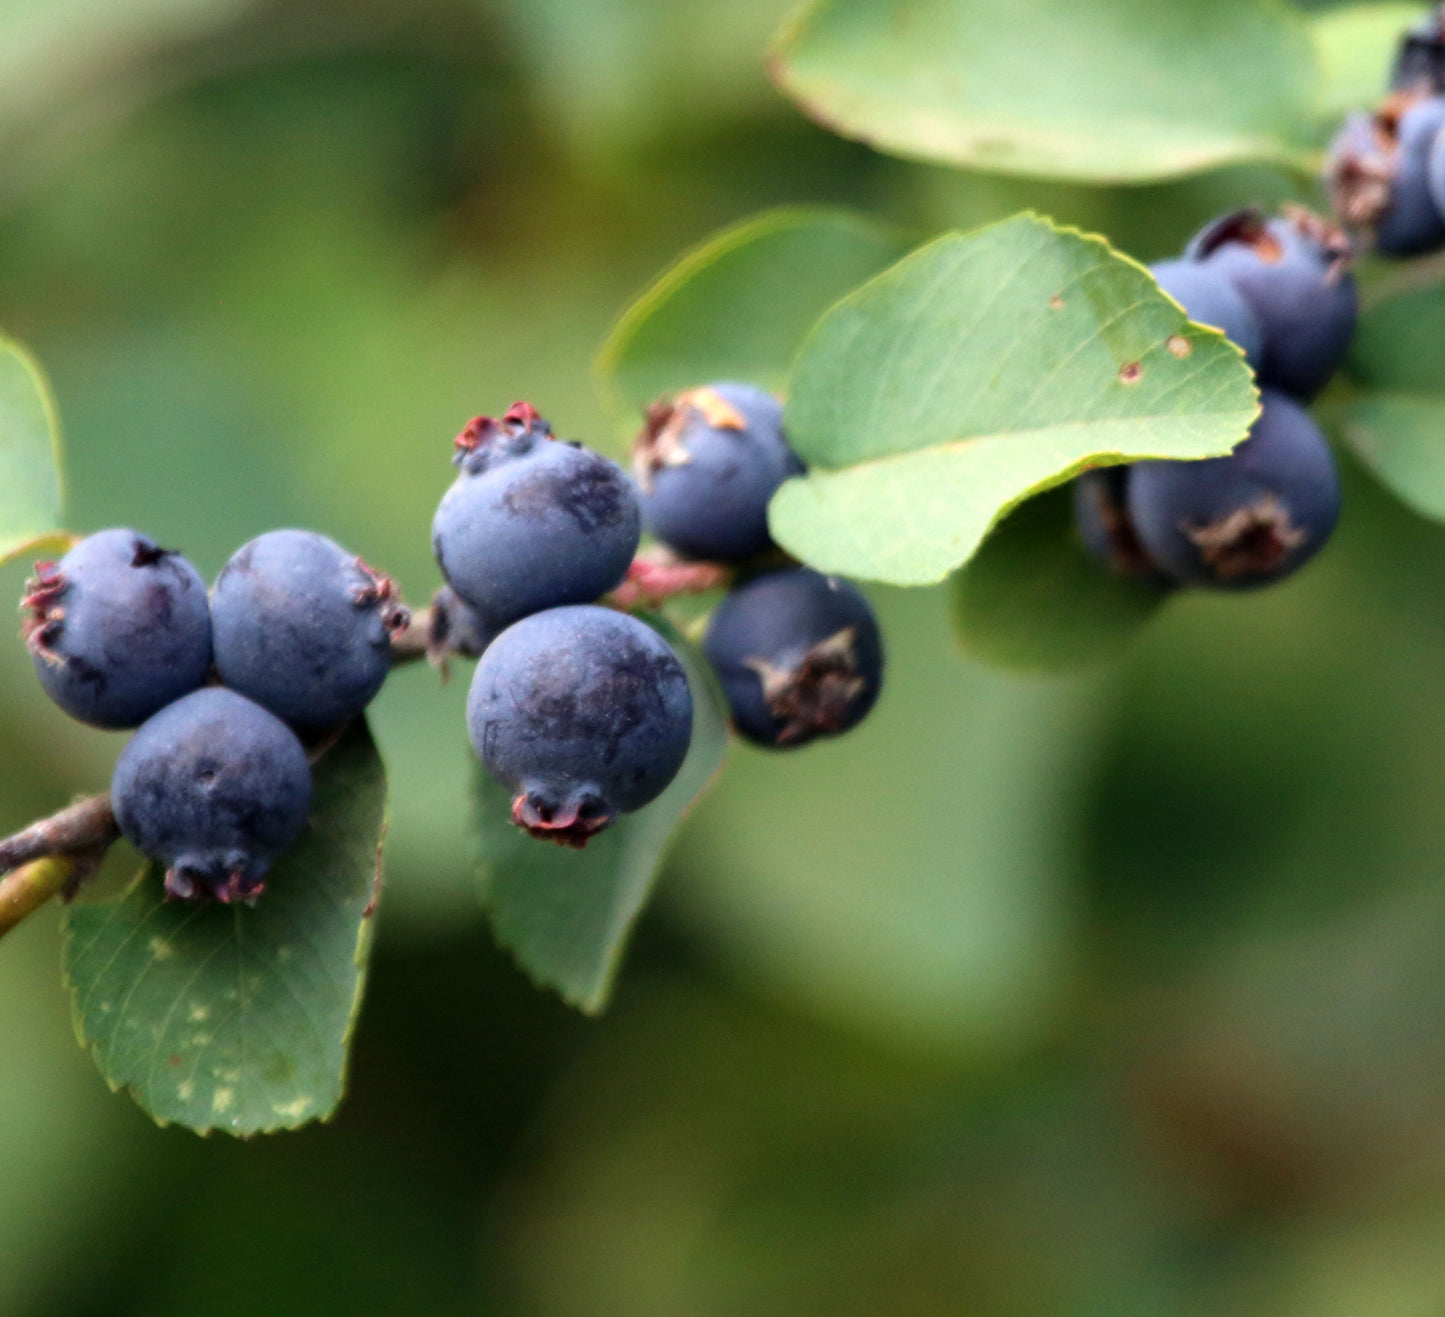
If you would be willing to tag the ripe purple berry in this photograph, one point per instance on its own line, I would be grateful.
(117, 629)
(532, 522)
(798, 655)
(1378, 174)
(1245, 520)
(304, 628)
(214, 788)
(1294, 273)
(583, 714)
(1101, 514)
(707, 463)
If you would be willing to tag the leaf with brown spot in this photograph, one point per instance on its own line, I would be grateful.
(948, 389)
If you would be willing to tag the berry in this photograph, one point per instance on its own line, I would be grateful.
(1245, 520)
(1101, 514)
(707, 462)
(214, 788)
(457, 627)
(798, 655)
(583, 714)
(304, 628)
(1208, 298)
(532, 522)
(1420, 60)
(1378, 174)
(1294, 273)
(117, 629)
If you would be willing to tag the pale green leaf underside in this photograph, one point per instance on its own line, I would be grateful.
(1034, 599)
(566, 915)
(233, 1019)
(737, 306)
(982, 369)
(1109, 90)
(30, 494)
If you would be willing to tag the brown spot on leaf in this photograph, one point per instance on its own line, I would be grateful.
(1056, 303)
(1131, 373)
(1179, 346)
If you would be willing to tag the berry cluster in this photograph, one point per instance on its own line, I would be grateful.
(583, 712)
(1385, 174)
(1281, 290)
(295, 639)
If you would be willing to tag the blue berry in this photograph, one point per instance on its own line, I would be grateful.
(304, 628)
(1378, 175)
(707, 463)
(1245, 520)
(1101, 514)
(117, 629)
(1294, 273)
(1208, 298)
(583, 714)
(1420, 59)
(532, 522)
(456, 627)
(798, 654)
(214, 788)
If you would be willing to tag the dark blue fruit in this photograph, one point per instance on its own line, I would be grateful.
(1245, 520)
(1294, 273)
(798, 655)
(1208, 298)
(532, 522)
(117, 629)
(214, 788)
(1420, 59)
(1101, 514)
(583, 714)
(706, 463)
(304, 628)
(456, 627)
(1378, 175)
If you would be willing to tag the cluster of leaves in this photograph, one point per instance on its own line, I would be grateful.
(941, 394)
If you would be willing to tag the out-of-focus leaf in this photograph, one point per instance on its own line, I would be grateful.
(737, 306)
(30, 493)
(236, 1019)
(1396, 422)
(1401, 438)
(1033, 598)
(566, 914)
(912, 880)
(1105, 91)
(982, 369)
(1354, 50)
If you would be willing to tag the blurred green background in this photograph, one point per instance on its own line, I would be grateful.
(1107, 996)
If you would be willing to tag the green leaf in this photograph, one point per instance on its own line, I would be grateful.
(1033, 597)
(1396, 421)
(566, 914)
(738, 306)
(1354, 50)
(1401, 438)
(980, 370)
(29, 453)
(1106, 91)
(239, 1019)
